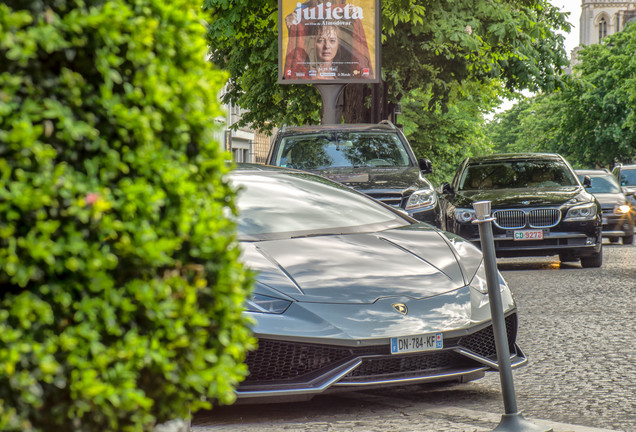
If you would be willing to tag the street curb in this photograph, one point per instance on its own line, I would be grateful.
(423, 418)
(493, 418)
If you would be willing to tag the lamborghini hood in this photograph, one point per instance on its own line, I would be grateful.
(356, 268)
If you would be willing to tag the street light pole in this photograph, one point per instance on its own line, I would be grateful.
(512, 420)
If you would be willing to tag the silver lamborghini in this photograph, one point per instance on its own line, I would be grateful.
(352, 294)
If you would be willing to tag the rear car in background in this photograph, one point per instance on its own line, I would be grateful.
(626, 176)
(375, 159)
(539, 205)
(617, 213)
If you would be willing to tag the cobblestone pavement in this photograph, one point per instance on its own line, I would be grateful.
(369, 414)
(577, 327)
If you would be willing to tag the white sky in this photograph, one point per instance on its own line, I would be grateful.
(574, 7)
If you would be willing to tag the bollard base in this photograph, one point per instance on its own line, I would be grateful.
(516, 423)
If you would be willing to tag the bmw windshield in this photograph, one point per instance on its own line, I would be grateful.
(517, 175)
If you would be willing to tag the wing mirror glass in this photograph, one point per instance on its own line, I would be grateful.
(446, 189)
(426, 167)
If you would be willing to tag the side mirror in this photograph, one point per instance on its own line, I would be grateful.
(446, 189)
(587, 181)
(426, 167)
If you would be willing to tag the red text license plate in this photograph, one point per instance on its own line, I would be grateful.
(528, 235)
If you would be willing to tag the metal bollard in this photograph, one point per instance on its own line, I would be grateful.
(512, 420)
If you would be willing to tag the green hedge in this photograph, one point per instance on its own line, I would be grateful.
(120, 290)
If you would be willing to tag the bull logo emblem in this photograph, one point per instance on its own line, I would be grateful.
(401, 308)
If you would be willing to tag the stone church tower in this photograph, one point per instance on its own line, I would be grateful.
(600, 18)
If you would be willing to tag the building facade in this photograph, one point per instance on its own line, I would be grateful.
(244, 144)
(601, 18)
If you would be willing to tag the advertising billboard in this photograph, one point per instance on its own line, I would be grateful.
(323, 42)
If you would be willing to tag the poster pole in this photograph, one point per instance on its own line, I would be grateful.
(330, 94)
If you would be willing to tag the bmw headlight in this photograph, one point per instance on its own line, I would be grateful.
(421, 198)
(265, 304)
(581, 213)
(464, 215)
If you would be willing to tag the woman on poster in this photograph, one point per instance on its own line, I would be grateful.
(321, 48)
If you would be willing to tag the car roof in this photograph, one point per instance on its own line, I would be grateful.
(515, 156)
(382, 126)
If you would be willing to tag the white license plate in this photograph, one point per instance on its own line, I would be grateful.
(407, 344)
(528, 235)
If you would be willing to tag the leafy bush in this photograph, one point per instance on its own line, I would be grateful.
(120, 290)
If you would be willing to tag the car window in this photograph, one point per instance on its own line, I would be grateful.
(516, 174)
(307, 204)
(628, 177)
(342, 150)
(602, 184)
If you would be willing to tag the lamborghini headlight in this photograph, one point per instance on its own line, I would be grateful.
(265, 304)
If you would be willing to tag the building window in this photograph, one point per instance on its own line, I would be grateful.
(602, 29)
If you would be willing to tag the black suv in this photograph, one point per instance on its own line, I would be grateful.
(539, 205)
(375, 159)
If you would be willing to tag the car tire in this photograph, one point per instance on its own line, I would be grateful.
(592, 261)
(627, 240)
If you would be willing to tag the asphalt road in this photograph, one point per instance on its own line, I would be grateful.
(578, 328)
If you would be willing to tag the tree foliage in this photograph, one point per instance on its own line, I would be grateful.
(532, 125)
(592, 123)
(599, 116)
(120, 290)
(447, 136)
(426, 44)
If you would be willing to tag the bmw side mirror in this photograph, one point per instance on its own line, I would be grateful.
(426, 167)
(587, 181)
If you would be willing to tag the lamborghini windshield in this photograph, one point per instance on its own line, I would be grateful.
(292, 204)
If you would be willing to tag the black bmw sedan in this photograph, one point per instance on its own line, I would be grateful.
(539, 205)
